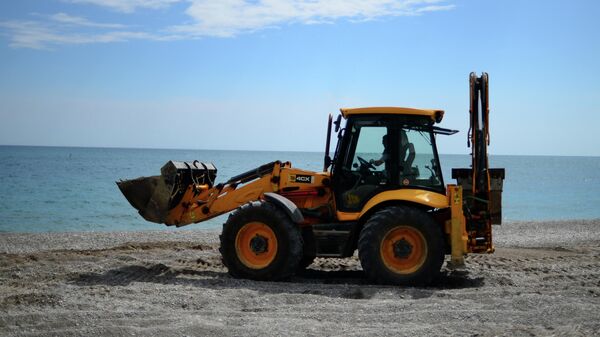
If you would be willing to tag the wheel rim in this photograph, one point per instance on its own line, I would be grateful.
(403, 250)
(256, 245)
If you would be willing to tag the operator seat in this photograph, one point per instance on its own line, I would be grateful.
(407, 161)
(407, 157)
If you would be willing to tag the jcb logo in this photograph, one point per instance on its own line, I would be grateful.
(304, 179)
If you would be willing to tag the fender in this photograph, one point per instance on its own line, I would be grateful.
(422, 197)
(287, 205)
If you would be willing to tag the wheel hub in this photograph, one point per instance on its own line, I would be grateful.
(256, 245)
(259, 244)
(402, 249)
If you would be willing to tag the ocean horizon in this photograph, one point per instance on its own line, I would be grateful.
(72, 189)
(252, 150)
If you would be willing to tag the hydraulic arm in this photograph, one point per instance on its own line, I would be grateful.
(482, 186)
(184, 192)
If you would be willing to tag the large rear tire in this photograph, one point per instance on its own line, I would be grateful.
(401, 245)
(260, 242)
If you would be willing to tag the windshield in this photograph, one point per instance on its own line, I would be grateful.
(403, 155)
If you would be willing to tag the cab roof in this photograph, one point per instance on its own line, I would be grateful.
(435, 115)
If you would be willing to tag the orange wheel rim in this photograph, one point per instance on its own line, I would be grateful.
(403, 250)
(256, 245)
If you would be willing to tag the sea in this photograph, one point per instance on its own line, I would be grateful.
(72, 189)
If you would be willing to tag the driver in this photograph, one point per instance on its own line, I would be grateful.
(385, 155)
(407, 154)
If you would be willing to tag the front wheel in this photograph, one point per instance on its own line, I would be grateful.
(401, 245)
(260, 242)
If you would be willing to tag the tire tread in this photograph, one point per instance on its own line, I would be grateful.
(290, 245)
(379, 224)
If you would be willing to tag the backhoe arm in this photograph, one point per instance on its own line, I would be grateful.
(481, 185)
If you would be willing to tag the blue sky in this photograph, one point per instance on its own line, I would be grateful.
(264, 75)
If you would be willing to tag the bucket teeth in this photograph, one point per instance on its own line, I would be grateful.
(155, 196)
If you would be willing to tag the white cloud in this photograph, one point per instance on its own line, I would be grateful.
(233, 17)
(37, 35)
(127, 6)
(208, 18)
(435, 8)
(31, 34)
(79, 21)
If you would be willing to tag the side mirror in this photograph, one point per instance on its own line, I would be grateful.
(338, 122)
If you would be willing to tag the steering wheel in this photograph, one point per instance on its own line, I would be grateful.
(365, 163)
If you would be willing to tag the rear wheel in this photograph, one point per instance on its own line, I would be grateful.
(260, 242)
(401, 245)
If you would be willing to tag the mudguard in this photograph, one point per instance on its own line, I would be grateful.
(287, 205)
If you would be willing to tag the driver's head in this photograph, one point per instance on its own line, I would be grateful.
(384, 140)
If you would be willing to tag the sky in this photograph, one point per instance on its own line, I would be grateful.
(265, 74)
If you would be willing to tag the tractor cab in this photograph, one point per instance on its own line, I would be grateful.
(382, 149)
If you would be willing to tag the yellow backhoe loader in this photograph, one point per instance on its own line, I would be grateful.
(382, 193)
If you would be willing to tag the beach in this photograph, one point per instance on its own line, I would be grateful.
(543, 279)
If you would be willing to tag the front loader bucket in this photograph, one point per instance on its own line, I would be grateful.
(155, 196)
(149, 195)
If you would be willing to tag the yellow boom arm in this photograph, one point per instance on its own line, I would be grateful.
(201, 202)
